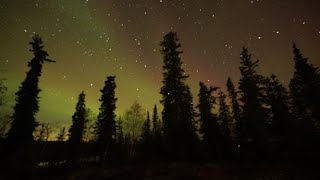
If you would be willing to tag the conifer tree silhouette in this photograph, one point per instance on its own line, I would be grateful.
(236, 111)
(224, 116)
(209, 127)
(156, 129)
(304, 91)
(27, 98)
(178, 112)
(24, 123)
(146, 134)
(106, 123)
(76, 130)
(224, 119)
(279, 103)
(253, 114)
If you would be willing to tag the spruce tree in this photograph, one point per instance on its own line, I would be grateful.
(236, 111)
(209, 129)
(20, 135)
(78, 120)
(156, 128)
(253, 114)
(304, 91)
(278, 101)
(146, 132)
(178, 112)
(27, 99)
(224, 117)
(77, 128)
(106, 124)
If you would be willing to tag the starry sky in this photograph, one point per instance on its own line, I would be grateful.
(93, 39)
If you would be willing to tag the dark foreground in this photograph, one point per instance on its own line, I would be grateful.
(186, 170)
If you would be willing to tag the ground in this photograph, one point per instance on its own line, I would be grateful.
(192, 170)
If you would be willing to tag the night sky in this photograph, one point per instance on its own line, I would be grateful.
(93, 39)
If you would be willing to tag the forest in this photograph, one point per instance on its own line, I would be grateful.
(256, 129)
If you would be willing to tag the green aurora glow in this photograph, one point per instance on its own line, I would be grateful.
(90, 40)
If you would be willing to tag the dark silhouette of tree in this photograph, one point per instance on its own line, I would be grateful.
(278, 101)
(236, 111)
(78, 120)
(304, 90)
(224, 119)
(106, 124)
(24, 123)
(224, 116)
(62, 134)
(178, 112)
(77, 128)
(156, 128)
(209, 128)
(146, 134)
(27, 99)
(253, 113)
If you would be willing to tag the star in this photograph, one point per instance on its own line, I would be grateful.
(90, 40)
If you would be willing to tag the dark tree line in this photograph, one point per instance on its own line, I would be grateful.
(105, 128)
(304, 91)
(76, 130)
(241, 121)
(261, 111)
(209, 129)
(178, 112)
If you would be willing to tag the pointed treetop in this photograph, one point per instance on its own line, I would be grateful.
(298, 57)
(246, 60)
(82, 94)
(170, 42)
(229, 79)
(230, 83)
(245, 53)
(37, 46)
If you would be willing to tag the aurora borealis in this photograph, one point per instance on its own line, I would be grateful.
(93, 39)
